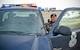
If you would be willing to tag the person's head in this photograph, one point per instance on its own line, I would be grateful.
(53, 18)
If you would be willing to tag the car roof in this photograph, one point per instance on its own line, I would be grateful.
(20, 8)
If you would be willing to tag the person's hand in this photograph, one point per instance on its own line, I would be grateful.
(48, 27)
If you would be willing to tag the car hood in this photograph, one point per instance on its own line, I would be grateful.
(18, 42)
(24, 42)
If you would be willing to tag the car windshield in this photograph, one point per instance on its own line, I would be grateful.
(28, 21)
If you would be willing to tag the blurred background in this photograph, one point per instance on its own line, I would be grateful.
(47, 7)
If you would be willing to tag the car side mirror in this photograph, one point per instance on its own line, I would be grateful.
(63, 30)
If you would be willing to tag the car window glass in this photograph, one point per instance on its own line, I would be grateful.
(71, 19)
(20, 20)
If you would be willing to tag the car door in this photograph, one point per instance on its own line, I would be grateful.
(69, 17)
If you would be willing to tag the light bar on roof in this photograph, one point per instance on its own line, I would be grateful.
(18, 5)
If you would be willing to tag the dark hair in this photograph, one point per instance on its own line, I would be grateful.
(53, 15)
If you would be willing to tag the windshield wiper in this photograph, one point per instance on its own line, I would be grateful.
(18, 33)
(14, 32)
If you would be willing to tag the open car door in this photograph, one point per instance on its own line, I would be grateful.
(70, 17)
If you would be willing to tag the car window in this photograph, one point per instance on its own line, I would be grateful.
(21, 20)
(71, 19)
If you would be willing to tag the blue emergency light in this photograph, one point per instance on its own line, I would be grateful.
(6, 6)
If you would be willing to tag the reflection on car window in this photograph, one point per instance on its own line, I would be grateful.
(71, 19)
(20, 20)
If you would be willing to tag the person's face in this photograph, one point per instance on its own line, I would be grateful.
(53, 19)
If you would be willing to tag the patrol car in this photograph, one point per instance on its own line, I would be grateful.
(22, 28)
